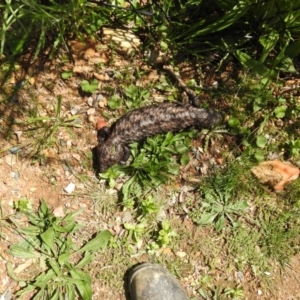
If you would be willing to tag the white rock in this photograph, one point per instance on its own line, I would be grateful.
(90, 101)
(91, 111)
(259, 292)
(75, 110)
(69, 188)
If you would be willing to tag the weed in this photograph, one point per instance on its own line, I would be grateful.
(216, 208)
(135, 96)
(149, 206)
(22, 205)
(152, 164)
(293, 147)
(245, 252)
(89, 87)
(214, 133)
(219, 200)
(165, 234)
(45, 128)
(49, 239)
(280, 230)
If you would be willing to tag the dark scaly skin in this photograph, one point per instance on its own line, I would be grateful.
(148, 121)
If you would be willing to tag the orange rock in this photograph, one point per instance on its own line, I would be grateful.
(275, 173)
(100, 123)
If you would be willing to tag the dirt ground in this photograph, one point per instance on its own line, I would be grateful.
(31, 183)
(24, 177)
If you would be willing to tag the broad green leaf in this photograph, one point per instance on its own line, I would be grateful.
(63, 258)
(252, 64)
(287, 65)
(220, 223)
(70, 291)
(30, 230)
(55, 267)
(259, 155)
(173, 169)
(43, 209)
(23, 252)
(66, 75)
(56, 294)
(87, 258)
(127, 184)
(131, 91)
(164, 45)
(268, 41)
(99, 242)
(202, 293)
(46, 277)
(129, 226)
(184, 160)
(48, 238)
(233, 122)
(207, 218)
(181, 148)
(89, 87)
(240, 205)
(114, 102)
(83, 284)
(261, 141)
(63, 229)
(280, 111)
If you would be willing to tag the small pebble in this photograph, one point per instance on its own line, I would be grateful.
(99, 97)
(90, 101)
(259, 292)
(91, 111)
(10, 159)
(18, 133)
(7, 295)
(102, 102)
(15, 150)
(91, 119)
(69, 188)
(75, 110)
(62, 142)
(180, 254)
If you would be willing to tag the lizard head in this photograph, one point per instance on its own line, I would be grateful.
(108, 153)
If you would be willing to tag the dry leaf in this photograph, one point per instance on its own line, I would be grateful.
(102, 77)
(89, 52)
(24, 266)
(166, 251)
(82, 69)
(275, 173)
(49, 153)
